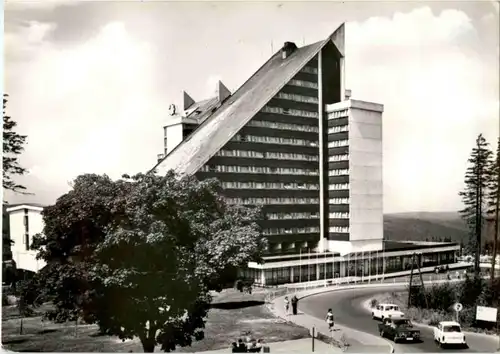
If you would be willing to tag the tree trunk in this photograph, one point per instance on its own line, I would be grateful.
(478, 227)
(479, 215)
(149, 341)
(148, 345)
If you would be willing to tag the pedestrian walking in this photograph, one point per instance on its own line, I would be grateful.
(295, 301)
(287, 306)
(329, 319)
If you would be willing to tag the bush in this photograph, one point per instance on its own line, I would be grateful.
(373, 303)
(468, 316)
(472, 292)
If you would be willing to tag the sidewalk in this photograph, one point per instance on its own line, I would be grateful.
(359, 342)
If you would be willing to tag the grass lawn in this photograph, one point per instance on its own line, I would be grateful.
(237, 316)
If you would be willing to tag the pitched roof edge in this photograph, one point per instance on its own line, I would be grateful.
(270, 96)
(207, 120)
(338, 38)
(228, 102)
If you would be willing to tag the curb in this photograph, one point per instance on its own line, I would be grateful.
(367, 307)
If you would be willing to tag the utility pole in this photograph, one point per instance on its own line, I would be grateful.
(415, 259)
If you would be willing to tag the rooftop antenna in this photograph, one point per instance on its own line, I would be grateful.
(303, 40)
(272, 49)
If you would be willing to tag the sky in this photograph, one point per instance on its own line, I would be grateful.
(90, 82)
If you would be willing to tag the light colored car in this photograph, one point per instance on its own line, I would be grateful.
(382, 311)
(449, 332)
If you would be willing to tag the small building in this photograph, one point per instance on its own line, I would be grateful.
(25, 221)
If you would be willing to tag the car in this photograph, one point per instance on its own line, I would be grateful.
(382, 311)
(449, 332)
(399, 329)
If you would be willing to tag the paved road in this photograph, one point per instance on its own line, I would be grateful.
(346, 305)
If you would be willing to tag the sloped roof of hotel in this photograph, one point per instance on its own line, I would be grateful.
(217, 129)
(203, 109)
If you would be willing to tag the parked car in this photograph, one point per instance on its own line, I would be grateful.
(382, 311)
(449, 332)
(400, 329)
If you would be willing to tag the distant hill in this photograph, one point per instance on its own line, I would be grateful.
(425, 226)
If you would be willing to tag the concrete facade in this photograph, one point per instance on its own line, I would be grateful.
(25, 222)
(363, 227)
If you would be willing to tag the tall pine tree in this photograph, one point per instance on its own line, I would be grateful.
(494, 204)
(12, 148)
(474, 195)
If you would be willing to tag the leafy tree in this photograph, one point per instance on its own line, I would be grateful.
(494, 203)
(474, 195)
(139, 256)
(12, 147)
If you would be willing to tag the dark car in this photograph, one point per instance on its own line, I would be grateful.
(399, 329)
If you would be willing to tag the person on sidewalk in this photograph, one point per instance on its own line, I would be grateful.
(329, 319)
(287, 306)
(295, 302)
(242, 348)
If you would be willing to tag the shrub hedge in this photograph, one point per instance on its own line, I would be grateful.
(441, 297)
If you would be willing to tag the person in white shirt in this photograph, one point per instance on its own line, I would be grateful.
(287, 306)
(329, 319)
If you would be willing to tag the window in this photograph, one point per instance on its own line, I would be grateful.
(261, 170)
(273, 140)
(302, 83)
(288, 231)
(272, 201)
(297, 98)
(338, 186)
(339, 201)
(309, 70)
(26, 223)
(289, 111)
(27, 241)
(343, 172)
(338, 143)
(269, 155)
(335, 158)
(339, 229)
(337, 114)
(339, 129)
(284, 126)
(268, 185)
(339, 215)
(289, 216)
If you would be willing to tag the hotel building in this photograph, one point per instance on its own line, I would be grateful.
(292, 140)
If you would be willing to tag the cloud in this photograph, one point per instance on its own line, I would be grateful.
(20, 5)
(90, 108)
(496, 6)
(438, 96)
(97, 106)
